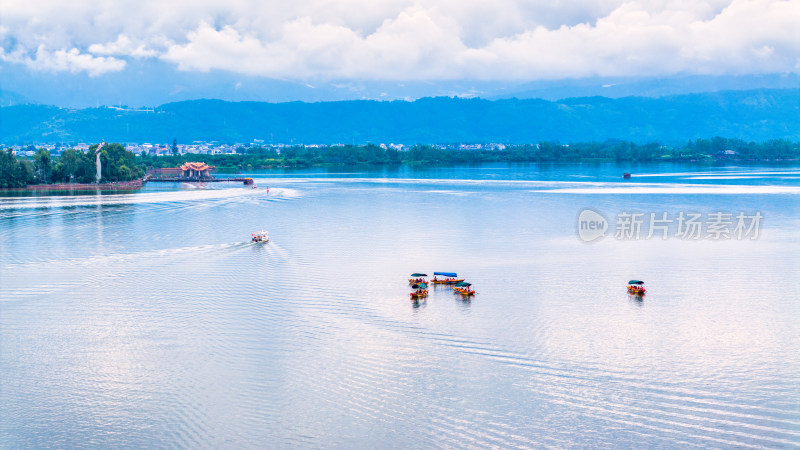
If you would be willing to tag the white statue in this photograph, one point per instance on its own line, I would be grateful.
(97, 160)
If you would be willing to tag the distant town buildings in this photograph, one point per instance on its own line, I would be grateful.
(216, 148)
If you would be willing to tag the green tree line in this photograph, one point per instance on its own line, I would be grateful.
(611, 150)
(14, 172)
(119, 164)
(72, 166)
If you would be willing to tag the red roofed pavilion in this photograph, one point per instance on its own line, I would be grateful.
(189, 170)
(196, 170)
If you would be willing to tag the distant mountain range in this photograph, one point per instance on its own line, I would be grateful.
(151, 81)
(751, 115)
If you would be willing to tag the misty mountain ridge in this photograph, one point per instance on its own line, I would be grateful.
(750, 115)
(147, 83)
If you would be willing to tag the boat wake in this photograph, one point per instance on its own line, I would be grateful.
(189, 195)
(617, 188)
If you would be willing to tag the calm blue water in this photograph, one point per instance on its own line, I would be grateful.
(146, 320)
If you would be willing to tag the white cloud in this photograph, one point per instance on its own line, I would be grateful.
(65, 61)
(408, 39)
(122, 46)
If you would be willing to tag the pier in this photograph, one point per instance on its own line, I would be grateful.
(190, 172)
(245, 180)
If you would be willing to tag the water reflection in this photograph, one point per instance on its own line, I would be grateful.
(465, 303)
(638, 300)
(157, 324)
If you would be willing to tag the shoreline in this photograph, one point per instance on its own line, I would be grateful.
(138, 184)
(113, 186)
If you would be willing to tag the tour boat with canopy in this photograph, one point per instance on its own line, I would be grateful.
(636, 287)
(463, 288)
(449, 278)
(420, 291)
(417, 278)
(260, 237)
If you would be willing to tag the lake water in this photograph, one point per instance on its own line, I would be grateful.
(147, 320)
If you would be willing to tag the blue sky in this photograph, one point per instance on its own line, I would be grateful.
(328, 43)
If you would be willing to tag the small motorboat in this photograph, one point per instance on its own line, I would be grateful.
(417, 278)
(463, 288)
(421, 291)
(259, 238)
(636, 287)
(449, 278)
(626, 175)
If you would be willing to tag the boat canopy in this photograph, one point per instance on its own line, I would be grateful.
(419, 286)
(419, 274)
(463, 283)
(446, 274)
(635, 282)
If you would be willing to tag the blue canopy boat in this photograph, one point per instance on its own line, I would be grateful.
(450, 278)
